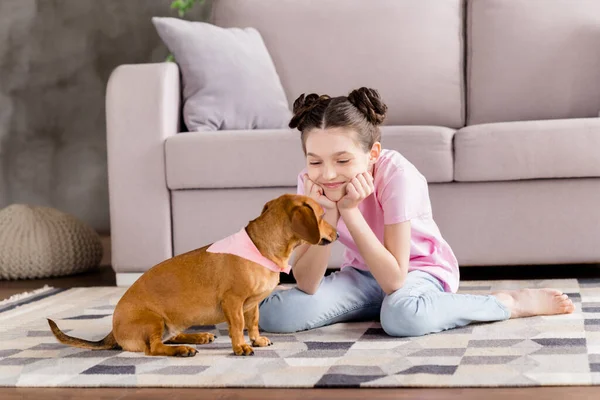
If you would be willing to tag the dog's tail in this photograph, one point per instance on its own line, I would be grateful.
(108, 343)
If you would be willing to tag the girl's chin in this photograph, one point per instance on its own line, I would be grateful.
(334, 194)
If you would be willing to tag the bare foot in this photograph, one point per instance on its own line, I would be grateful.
(530, 302)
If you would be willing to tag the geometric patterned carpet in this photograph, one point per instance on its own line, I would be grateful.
(538, 351)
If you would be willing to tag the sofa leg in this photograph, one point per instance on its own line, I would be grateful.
(126, 279)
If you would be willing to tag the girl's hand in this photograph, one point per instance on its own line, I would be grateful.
(357, 190)
(315, 191)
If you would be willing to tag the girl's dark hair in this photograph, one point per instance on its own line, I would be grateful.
(362, 111)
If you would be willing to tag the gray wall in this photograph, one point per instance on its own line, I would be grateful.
(55, 60)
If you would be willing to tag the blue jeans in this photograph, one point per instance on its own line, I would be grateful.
(420, 307)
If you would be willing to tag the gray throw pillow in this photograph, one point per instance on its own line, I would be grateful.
(228, 77)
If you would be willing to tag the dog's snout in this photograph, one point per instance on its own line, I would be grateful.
(325, 241)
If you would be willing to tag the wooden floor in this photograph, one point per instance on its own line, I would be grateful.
(104, 276)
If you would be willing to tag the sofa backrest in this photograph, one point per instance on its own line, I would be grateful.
(532, 60)
(410, 50)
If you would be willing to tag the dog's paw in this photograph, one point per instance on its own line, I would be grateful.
(204, 338)
(261, 341)
(243, 350)
(185, 351)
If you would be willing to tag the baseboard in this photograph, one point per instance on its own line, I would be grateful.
(126, 279)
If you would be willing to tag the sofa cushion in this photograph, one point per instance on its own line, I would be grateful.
(201, 217)
(229, 80)
(528, 150)
(273, 158)
(532, 60)
(410, 50)
(429, 148)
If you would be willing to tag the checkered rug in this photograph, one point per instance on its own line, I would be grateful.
(538, 351)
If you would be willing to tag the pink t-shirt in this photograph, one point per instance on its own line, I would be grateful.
(401, 194)
(241, 245)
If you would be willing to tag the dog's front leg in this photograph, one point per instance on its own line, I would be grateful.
(251, 317)
(234, 314)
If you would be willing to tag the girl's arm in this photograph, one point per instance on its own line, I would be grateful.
(388, 263)
(312, 260)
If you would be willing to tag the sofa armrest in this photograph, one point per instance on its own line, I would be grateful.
(142, 110)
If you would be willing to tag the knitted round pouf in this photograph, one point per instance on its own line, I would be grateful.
(39, 242)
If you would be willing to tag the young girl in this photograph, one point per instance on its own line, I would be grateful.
(396, 267)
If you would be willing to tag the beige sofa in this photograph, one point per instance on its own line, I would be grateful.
(495, 101)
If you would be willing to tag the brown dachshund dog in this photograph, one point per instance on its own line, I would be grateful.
(206, 288)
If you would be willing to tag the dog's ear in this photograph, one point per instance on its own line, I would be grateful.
(305, 224)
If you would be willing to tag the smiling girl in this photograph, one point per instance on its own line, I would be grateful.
(397, 268)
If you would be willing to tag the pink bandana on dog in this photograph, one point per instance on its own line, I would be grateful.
(241, 245)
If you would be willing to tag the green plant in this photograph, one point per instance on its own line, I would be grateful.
(182, 6)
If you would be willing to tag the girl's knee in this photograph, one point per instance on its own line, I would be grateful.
(405, 316)
(275, 316)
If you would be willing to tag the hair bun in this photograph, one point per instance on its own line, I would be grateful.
(303, 106)
(369, 103)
